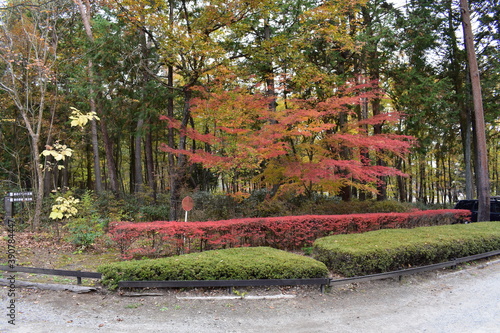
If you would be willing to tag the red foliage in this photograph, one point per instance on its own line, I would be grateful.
(288, 233)
(320, 143)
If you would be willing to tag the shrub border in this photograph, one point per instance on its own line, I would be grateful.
(287, 282)
(330, 282)
(290, 233)
(430, 245)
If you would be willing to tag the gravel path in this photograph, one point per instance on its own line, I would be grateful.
(465, 300)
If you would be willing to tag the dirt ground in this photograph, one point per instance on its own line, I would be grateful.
(462, 300)
(466, 299)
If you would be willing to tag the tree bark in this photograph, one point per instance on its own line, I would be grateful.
(269, 73)
(110, 159)
(377, 130)
(483, 185)
(462, 103)
(151, 179)
(179, 172)
(138, 180)
(95, 154)
(85, 14)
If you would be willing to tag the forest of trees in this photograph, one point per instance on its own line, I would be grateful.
(356, 99)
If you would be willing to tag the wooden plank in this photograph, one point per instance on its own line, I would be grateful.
(47, 286)
(60, 272)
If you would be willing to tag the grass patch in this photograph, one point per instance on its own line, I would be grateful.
(228, 264)
(85, 261)
(392, 249)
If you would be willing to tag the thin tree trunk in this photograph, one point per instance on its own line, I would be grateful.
(171, 139)
(39, 184)
(363, 115)
(401, 182)
(483, 185)
(466, 130)
(269, 73)
(110, 160)
(345, 190)
(85, 14)
(88, 166)
(377, 130)
(132, 164)
(138, 180)
(462, 103)
(151, 179)
(95, 153)
(178, 175)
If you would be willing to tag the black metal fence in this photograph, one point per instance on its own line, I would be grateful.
(78, 274)
(322, 282)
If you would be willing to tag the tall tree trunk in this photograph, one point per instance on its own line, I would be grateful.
(171, 134)
(483, 185)
(39, 184)
(85, 14)
(410, 180)
(462, 102)
(401, 182)
(108, 146)
(142, 115)
(345, 190)
(138, 179)
(95, 151)
(171, 143)
(466, 134)
(151, 179)
(132, 164)
(377, 130)
(110, 159)
(178, 176)
(88, 166)
(363, 115)
(269, 72)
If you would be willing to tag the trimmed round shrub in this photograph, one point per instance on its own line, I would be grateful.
(228, 264)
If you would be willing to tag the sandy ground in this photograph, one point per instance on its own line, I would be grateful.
(462, 300)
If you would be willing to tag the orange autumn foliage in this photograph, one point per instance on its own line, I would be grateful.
(293, 147)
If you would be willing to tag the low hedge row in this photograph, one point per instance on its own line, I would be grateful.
(287, 233)
(229, 264)
(389, 250)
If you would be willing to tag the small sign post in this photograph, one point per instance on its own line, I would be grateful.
(187, 205)
(15, 197)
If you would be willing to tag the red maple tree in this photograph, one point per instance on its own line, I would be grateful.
(301, 147)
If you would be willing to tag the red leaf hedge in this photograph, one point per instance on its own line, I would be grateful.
(288, 233)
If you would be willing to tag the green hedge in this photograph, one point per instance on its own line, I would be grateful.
(392, 249)
(229, 264)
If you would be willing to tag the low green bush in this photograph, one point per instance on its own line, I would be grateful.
(229, 264)
(87, 225)
(392, 249)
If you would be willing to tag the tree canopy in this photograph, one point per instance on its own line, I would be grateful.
(357, 99)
